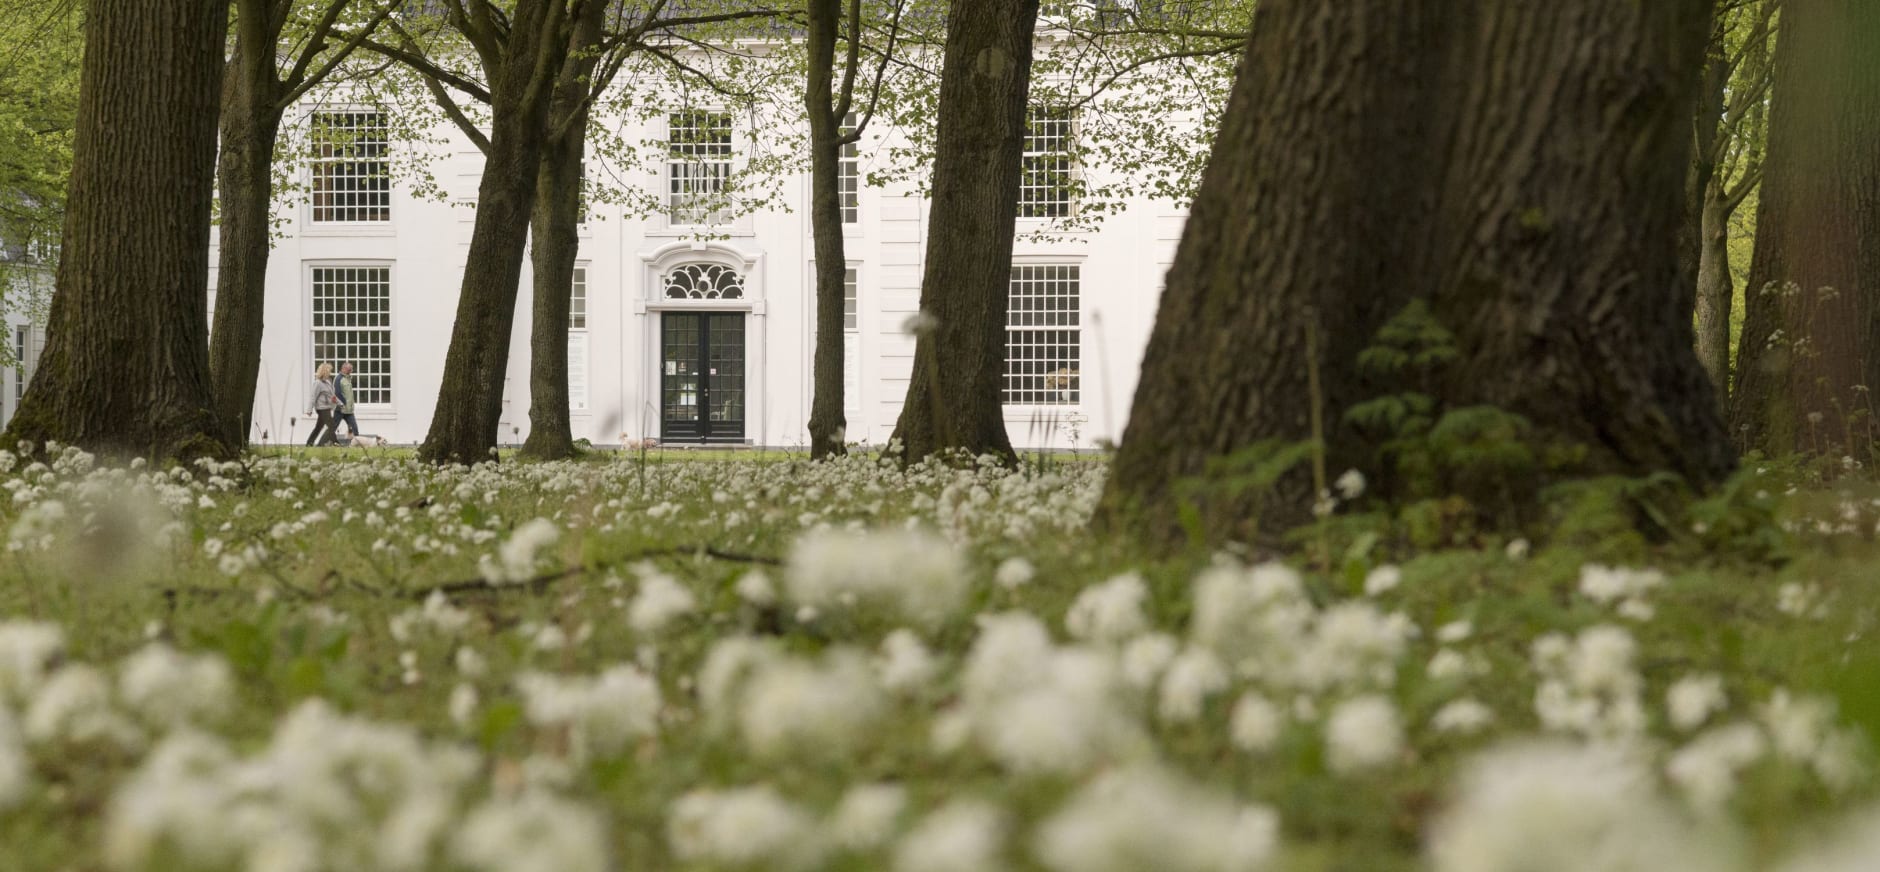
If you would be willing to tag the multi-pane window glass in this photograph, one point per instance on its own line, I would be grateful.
(1043, 335)
(578, 343)
(19, 365)
(577, 300)
(352, 321)
(1049, 168)
(849, 175)
(352, 180)
(851, 310)
(698, 165)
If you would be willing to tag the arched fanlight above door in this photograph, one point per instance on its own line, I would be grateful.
(704, 281)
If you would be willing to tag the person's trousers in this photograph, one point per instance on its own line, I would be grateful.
(322, 428)
(352, 424)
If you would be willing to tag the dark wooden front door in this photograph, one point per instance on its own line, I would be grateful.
(702, 377)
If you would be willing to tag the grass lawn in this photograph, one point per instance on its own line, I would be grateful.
(339, 660)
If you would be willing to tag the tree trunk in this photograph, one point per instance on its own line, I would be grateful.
(556, 226)
(1701, 172)
(126, 363)
(556, 243)
(953, 399)
(1457, 152)
(250, 126)
(470, 397)
(1714, 292)
(1810, 352)
(827, 424)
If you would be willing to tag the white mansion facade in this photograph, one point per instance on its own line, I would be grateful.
(686, 332)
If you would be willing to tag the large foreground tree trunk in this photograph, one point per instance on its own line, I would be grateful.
(1516, 167)
(522, 61)
(250, 125)
(953, 399)
(126, 363)
(827, 424)
(1809, 359)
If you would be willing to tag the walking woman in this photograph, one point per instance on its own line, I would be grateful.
(324, 402)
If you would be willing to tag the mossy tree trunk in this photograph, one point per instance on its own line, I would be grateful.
(827, 424)
(953, 399)
(1809, 359)
(125, 369)
(1462, 154)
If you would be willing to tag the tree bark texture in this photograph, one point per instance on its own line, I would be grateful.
(522, 76)
(1518, 167)
(1715, 292)
(555, 225)
(126, 363)
(827, 423)
(250, 125)
(953, 399)
(1706, 130)
(1809, 357)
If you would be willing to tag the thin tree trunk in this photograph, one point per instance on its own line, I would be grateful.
(556, 243)
(249, 128)
(1715, 290)
(1809, 358)
(953, 399)
(126, 363)
(470, 396)
(1500, 127)
(827, 424)
(1699, 178)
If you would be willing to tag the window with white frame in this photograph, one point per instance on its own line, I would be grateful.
(578, 343)
(352, 322)
(19, 364)
(1043, 335)
(1049, 168)
(849, 175)
(851, 345)
(698, 166)
(351, 176)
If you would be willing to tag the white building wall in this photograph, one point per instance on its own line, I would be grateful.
(425, 242)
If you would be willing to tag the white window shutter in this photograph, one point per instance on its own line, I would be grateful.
(577, 371)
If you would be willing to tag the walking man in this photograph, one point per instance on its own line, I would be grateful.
(344, 385)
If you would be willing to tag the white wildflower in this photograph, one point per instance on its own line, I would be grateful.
(1565, 808)
(915, 575)
(168, 688)
(602, 714)
(963, 836)
(748, 826)
(1706, 768)
(1693, 699)
(75, 706)
(756, 588)
(1145, 818)
(534, 832)
(515, 560)
(1256, 723)
(866, 816)
(1109, 612)
(1382, 580)
(463, 703)
(660, 600)
(904, 664)
(27, 651)
(1146, 657)
(1195, 676)
(1350, 485)
(1014, 573)
(1464, 716)
(795, 705)
(1363, 733)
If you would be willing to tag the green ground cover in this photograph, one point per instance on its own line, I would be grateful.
(353, 661)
